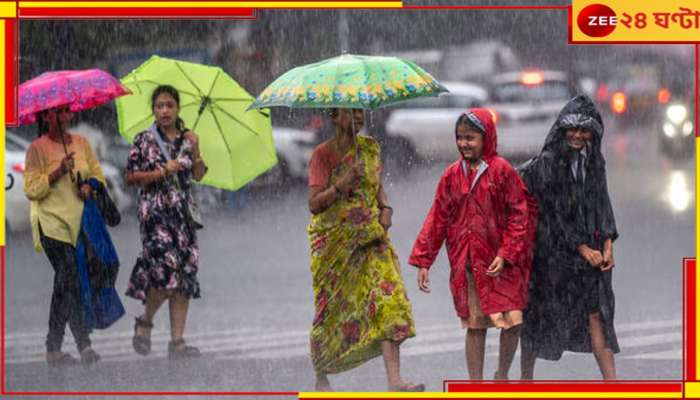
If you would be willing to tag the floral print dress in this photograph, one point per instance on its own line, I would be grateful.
(360, 298)
(170, 253)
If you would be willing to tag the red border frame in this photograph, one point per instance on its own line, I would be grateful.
(689, 275)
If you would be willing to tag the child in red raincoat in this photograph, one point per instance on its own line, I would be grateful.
(482, 210)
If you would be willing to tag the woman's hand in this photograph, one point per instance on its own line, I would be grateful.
(496, 267)
(68, 163)
(172, 166)
(608, 259)
(85, 191)
(352, 177)
(385, 215)
(423, 280)
(592, 256)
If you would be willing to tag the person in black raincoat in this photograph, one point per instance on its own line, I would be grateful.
(571, 302)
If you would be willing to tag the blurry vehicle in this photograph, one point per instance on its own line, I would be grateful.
(676, 138)
(424, 128)
(16, 203)
(485, 58)
(634, 93)
(294, 148)
(525, 106)
(641, 87)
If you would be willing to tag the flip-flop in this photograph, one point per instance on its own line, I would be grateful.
(64, 360)
(409, 387)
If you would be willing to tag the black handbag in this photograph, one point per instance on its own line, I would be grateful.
(108, 209)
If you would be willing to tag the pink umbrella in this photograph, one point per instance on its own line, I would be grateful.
(81, 90)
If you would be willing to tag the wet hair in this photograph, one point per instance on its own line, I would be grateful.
(42, 127)
(172, 92)
(464, 120)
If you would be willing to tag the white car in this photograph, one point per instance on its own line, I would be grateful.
(426, 126)
(294, 148)
(526, 105)
(16, 203)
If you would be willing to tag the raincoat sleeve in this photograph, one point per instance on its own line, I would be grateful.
(93, 163)
(608, 226)
(535, 175)
(434, 231)
(36, 175)
(513, 242)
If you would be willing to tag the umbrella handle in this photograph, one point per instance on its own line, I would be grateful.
(65, 151)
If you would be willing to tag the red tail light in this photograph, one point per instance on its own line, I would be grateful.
(602, 93)
(618, 103)
(18, 167)
(663, 96)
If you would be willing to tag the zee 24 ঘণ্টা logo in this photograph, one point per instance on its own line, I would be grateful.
(599, 20)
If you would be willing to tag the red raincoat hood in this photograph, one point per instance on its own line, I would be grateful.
(485, 121)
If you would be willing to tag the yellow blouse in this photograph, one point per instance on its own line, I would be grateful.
(57, 207)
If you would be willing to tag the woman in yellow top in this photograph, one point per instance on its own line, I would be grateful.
(362, 310)
(52, 163)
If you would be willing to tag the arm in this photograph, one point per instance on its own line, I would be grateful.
(320, 198)
(513, 241)
(136, 161)
(434, 231)
(37, 181)
(143, 178)
(385, 210)
(93, 163)
(199, 168)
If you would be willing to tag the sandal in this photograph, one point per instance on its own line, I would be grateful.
(64, 359)
(88, 356)
(141, 344)
(177, 350)
(408, 387)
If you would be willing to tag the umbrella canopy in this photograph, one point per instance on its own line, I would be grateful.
(350, 81)
(80, 89)
(236, 144)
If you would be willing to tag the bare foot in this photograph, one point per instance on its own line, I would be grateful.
(322, 384)
(407, 387)
(499, 376)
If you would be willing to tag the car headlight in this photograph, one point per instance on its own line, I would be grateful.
(676, 113)
(669, 130)
(687, 128)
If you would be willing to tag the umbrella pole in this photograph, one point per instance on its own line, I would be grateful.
(65, 148)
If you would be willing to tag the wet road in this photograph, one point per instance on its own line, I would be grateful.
(253, 319)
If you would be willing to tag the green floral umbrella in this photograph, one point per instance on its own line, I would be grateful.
(350, 81)
(236, 144)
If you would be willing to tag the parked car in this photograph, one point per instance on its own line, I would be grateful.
(526, 104)
(16, 203)
(424, 128)
(294, 148)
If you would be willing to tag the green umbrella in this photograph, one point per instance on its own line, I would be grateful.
(236, 144)
(350, 81)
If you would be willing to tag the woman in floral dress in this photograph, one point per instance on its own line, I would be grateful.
(362, 309)
(167, 267)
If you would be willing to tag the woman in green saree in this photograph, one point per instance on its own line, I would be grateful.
(362, 309)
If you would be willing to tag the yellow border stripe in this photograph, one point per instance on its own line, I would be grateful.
(8, 9)
(494, 395)
(212, 4)
(2, 130)
(692, 389)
